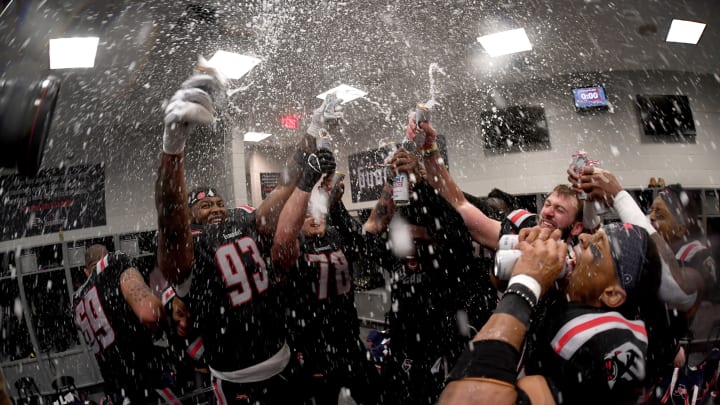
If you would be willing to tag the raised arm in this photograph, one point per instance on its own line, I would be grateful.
(285, 248)
(139, 296)
(189, 107)
(268, 213)
(321, 122)
(483, 229)
(602, 186)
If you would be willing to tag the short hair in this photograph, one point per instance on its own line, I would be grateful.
(94, 253)
(507, 198)
(482, 204)
(685, 210)
(567, 191)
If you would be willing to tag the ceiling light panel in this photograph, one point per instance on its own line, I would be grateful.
(685, 32)
(506, 42)
(233, 65)
(67, 53)
(344, 92)
(255, 136)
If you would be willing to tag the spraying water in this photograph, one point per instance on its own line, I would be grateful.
(434, 67)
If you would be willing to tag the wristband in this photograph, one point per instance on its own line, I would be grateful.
(517, 304)
(488, 359)
(429, 151)
(528, 282)
(630, 212)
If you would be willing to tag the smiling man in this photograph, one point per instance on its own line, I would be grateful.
(206, 206)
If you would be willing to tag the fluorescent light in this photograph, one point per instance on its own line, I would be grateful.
(506, 42)
(233, 65)
(68, 53)
(685, 32)
(255, 136)
(344, 92)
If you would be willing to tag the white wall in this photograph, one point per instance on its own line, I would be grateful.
(614, 137)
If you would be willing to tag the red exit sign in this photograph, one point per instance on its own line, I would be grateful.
(290, 121)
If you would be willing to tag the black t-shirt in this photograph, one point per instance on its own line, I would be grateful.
(234, 299)
(322, 315)
(122, 345)
(588, 355)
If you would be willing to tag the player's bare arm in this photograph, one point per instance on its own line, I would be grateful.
(143, 302)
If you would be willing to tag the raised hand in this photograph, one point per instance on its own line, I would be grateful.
(424, 136)
(326, 116)
(316, 164)
(190, 106)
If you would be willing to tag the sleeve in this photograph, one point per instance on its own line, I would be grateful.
(517, 220)
(113, 265)
(703, 261)
(339, 217)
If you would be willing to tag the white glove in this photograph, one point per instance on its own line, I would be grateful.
(190, 106)
(327, 114)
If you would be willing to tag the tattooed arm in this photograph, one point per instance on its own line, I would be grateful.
(383, 212)
(143, 302)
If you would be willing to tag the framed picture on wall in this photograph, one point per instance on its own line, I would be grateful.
(268, 182)
(514, 129)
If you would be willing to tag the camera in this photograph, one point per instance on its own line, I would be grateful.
(26, 110)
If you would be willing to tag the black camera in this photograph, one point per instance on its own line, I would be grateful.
(26, 110)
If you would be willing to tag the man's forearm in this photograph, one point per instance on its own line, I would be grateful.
(285, 251)
(483, 229)
(269, 211)
(382, 213)
(174, 237)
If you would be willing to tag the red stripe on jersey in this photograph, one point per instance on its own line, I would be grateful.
(218, 391)
(518, 216)
(196, 232)
(196, 348)
(102, 264)
(689, 250)
(581, 329)
(168, 396)
(247, 208)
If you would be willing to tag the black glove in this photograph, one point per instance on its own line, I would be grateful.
(316, 164)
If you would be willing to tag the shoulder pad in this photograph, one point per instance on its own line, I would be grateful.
(518, 218)
(247, 208)
(687, 251)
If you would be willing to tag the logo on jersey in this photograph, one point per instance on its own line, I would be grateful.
(407, 365)
(626, 363)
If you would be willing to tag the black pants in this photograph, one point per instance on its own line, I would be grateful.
(323, 375)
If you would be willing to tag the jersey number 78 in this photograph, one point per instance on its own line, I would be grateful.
(338, 263)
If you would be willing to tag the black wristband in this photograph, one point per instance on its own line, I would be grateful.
(493, 359)
(514, 304)
(524, 291)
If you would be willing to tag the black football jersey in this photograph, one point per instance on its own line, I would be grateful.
(233, 298)
(122, 345)
(589, 355)
(322, 314)
(697, 255)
